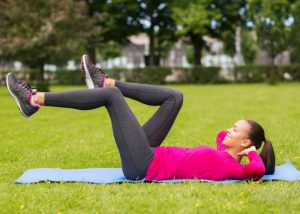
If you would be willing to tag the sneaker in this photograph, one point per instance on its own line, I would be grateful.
(22, 93)
(94, 77)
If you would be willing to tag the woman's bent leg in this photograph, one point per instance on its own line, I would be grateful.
(133, 146)
(169, 100)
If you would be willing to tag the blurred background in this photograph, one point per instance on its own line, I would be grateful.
(151, 41)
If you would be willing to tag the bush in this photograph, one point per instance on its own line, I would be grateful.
(293, 70)
(148, 75)
(260, 73)
(203, 74)
(20, 74)
(117, 73)
(157, 75)
(252, 73)
(69, 77)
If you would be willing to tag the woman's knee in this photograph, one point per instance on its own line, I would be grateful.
(114, 92)
(178, 96)
(114, 95)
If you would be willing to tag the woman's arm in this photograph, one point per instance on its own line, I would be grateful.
(255, 169)
(219, 138)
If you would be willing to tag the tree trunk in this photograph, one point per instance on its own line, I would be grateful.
(197, 54)
(42, 85)
(151, 46)
(92, 53)
(158, 51)
(198, 45)
(273, 76)
(91, 43)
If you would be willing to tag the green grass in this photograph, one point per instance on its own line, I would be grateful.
(79, 139)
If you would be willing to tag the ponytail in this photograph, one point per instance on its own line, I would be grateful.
(268, 157)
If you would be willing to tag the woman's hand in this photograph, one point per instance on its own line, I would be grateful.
(246, 151)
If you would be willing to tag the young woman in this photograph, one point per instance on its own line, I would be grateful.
(140, 148)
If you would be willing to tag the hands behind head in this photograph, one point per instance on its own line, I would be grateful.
(246, 151)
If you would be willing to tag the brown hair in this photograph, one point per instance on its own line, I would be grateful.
(257, 136)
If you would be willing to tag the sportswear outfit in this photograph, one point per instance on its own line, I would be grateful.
(139, 146)
(202, 162)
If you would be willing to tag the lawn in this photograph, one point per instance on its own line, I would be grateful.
(67, 138)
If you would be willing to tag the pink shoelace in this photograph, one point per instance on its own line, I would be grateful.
(30, 92)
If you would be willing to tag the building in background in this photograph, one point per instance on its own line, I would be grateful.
(133, 56)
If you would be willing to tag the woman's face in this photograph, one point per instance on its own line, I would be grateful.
(238, 135)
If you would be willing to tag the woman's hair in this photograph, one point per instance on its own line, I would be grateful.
(257, 136)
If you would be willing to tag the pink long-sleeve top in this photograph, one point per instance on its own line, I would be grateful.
(202, 162)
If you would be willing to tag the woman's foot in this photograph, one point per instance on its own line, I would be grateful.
(94, 77)
(23, 95)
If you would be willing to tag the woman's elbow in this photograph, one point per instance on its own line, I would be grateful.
(259, 172)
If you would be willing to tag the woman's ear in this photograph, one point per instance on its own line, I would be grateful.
(246, 143)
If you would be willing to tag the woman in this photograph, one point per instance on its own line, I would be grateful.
(139, 147)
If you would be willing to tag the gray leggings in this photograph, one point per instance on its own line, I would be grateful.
(135, 143)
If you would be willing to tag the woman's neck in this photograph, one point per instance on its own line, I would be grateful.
(234, 154)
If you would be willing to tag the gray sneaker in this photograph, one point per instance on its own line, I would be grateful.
(94, 77)
(22, 93)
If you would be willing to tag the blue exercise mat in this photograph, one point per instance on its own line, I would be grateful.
(285, 172)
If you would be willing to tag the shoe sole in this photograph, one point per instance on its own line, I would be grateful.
(87, 77)
(14, 96)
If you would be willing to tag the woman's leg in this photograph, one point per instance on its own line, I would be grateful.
(169, 100)
(135, 152)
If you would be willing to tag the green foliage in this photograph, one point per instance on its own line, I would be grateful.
(117, 73)
(295, 33)
(228, 39)
(155, 19)
(157, 75)
(69, 78)
(249, 46)
(203, 74)
(119, 19)
(34, 79)
(72, 139)
(189, 52)
(40, 32)
(252, 73)
(293, 70)
(193, 17)
(110, 49)
(149, 75)
(261, 73)
(269, 18)
(115, 20)
(214, 18)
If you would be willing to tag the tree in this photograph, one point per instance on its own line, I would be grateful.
(196, 18)
(119, 19)
(97, 15)
(269, 18)
(40, 32)
(249, 46)
(155, 19)
(115, 21)
(295, 33)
